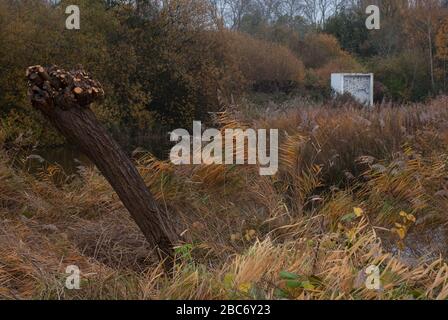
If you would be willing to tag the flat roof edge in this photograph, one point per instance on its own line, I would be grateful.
(353, 74)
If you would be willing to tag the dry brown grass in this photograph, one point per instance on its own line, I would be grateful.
(294, 235)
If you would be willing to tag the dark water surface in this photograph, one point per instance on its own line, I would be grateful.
(70, 157)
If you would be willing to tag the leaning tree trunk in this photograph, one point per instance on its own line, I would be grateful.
(64, 98)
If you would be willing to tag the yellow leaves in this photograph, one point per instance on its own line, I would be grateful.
(351, 234)
(250, 234)
(347, 223)
(401, 233)
(229, 284)
(245, 287)
(358, 211)
(229, 279)
(399, 225)
(409, 217)
(401, 229)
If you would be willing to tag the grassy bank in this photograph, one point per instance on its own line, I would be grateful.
(355, 188)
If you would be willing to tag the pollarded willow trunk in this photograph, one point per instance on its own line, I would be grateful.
(64, 98)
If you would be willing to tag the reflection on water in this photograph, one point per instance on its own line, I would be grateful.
(70, 158)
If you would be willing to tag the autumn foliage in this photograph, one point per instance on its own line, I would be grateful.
(161, 67)
(262, 62)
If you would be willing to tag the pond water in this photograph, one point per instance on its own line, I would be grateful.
(70, 158)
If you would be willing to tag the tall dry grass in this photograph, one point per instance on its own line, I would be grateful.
(355, 188)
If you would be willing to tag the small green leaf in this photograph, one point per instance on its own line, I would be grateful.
(307, 285)
(280, 293)
(292, 284)
(315, 281)
(417, 293)
(348, 217)
(229, 280)
(285, 275)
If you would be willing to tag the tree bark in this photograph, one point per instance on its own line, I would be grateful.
(431, 58)
(64, 98)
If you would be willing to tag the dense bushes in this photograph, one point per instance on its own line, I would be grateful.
(163, 69)
(404, 75)
(161, 66)
(323, 55)
(265, 65)
(320, 54)
(33, 32)
(183, 62)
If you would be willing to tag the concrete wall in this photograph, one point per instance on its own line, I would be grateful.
(359, 85)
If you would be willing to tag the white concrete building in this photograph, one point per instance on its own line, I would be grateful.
(359, 85)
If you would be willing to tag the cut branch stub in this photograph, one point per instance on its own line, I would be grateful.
(64, 98)
(67, 89)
